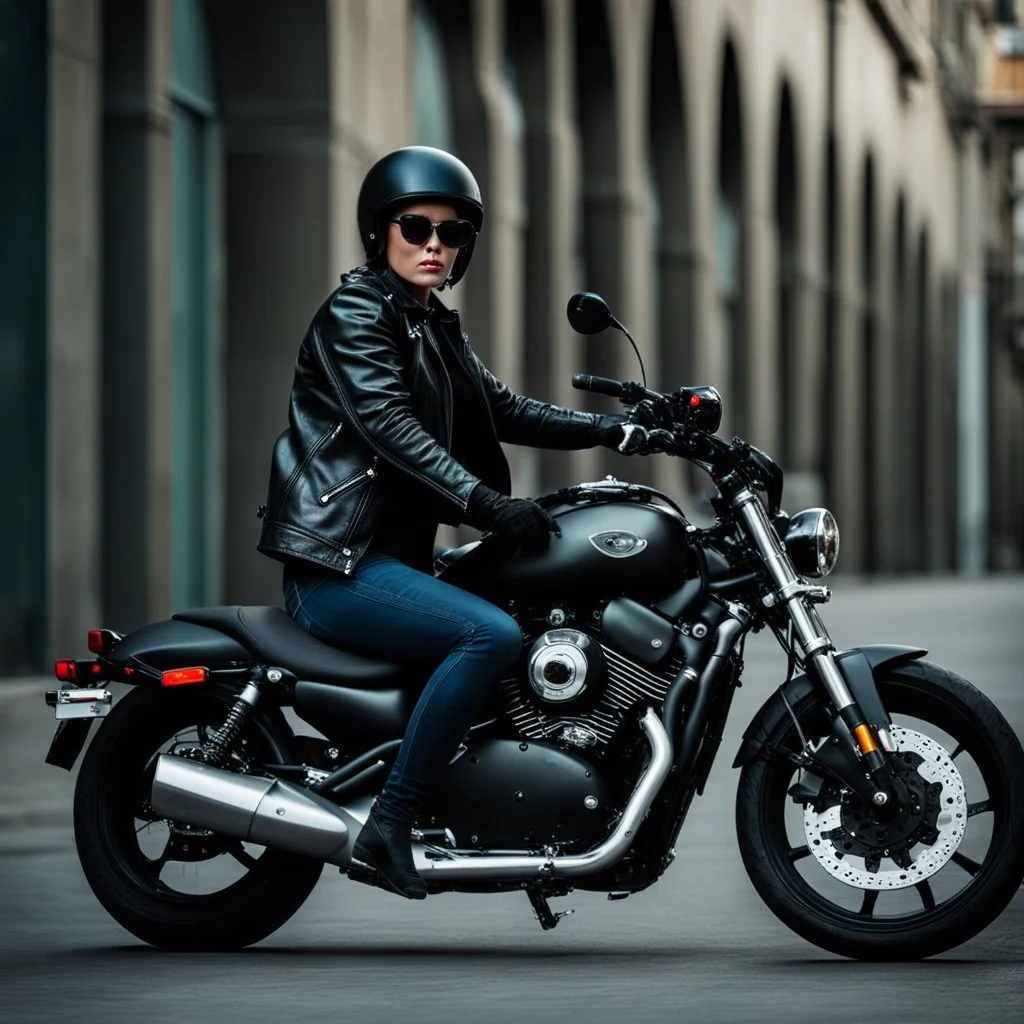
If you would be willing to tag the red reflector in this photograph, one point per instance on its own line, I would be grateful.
(694, 400)
(129, 671)
(96, 641)
(97, 668)
(65, 671)
(184, 676)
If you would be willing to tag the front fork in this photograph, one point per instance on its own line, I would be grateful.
(847, 679)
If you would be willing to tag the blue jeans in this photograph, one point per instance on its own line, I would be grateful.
(386, 609)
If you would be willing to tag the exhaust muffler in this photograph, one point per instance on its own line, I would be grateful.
(275, 813)
(269, 812)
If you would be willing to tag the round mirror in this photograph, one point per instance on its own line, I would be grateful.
(588, 313)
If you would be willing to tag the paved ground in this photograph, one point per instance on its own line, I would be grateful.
(699, 946)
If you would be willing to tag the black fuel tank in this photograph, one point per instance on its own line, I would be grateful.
(605, 549)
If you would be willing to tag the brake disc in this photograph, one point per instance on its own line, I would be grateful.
(857, 858)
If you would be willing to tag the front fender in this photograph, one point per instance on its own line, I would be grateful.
(850, 664)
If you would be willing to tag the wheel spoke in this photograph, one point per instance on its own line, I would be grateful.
(924, 890)
(981, 807)
(959, 750)
(798, 853)
(972, 867)
(867, 908)
(156, 864)
(242, 855)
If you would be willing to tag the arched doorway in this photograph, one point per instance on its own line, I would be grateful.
(787, 262)
(870, 404)
(599, 242)
(670, 202)
(730, 245)
(196, 382)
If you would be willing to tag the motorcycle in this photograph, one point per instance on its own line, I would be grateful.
(880, 806)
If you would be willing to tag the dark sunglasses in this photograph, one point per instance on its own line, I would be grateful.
(416, 229)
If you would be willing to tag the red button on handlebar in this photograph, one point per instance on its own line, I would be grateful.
(694, 400)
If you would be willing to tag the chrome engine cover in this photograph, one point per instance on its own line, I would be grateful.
(561, 664)
(606, 703)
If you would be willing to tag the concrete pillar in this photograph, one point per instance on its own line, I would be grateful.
(568, 349)
(972, 439)
(759, 100)
(370, 69)
(136, 312)
(278, 173)
(74, 392)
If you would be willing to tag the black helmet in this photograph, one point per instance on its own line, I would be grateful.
(417, 172)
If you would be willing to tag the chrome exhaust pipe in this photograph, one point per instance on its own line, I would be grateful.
(442, 868)
(269, 812)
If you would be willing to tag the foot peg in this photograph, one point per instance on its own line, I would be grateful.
(547, 917)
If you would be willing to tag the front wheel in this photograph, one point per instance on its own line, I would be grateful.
(167, 883)
(904, 889)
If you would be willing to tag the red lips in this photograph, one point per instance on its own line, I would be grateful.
(432, 265)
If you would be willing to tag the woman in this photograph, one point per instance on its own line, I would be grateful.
(394, 427)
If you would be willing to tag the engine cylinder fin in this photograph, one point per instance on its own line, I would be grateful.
(628, 686)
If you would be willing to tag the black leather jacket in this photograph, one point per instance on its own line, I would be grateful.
(370, 422)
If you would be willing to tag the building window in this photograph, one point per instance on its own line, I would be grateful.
(432, 119)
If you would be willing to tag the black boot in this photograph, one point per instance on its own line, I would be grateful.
(384, 844)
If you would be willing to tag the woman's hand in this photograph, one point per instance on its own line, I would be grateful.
(519, 522)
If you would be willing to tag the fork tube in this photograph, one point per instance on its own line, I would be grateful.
(814, 639)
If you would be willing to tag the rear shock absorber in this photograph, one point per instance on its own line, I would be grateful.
(219, 740)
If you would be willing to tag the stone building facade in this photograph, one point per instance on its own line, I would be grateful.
(789, 199)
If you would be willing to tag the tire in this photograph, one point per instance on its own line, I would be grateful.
(965, 894)
(206, 908)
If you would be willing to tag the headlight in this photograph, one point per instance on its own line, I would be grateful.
(812, 542)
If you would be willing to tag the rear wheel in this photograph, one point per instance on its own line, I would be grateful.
(893, 890)
(168, 884)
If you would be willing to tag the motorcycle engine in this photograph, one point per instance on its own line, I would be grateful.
(579, 692)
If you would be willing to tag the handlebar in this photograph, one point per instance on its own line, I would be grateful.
(684, 422)
(602, 385)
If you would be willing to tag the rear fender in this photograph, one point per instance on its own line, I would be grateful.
(860, 667)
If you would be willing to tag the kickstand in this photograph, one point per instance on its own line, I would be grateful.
(547, 917)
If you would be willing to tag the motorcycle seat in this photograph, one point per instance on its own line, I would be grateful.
(274, 637)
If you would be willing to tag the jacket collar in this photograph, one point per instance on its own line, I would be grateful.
(402, 298)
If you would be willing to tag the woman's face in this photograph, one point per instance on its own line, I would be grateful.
(424, 267)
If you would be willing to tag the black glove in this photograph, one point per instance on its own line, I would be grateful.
(644, 429)
(609, 433)
(520, 523)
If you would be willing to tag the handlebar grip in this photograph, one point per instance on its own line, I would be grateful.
(602, 385)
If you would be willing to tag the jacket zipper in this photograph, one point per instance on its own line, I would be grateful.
(340, 393)
(366, 474)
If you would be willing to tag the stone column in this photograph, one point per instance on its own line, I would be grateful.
(972, 427)
(74, 391)
(136, 311)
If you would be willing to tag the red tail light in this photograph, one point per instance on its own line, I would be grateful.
(103, 641)
(185, 676)
(65, 671)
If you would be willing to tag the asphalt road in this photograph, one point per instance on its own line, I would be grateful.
(699, 946)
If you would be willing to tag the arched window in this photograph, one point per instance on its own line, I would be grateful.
(830, 315)
(196, 385)
(870, 389)
(599, 217)
(669, 198)
(729, 243)
(787, 263)
(432, 114)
